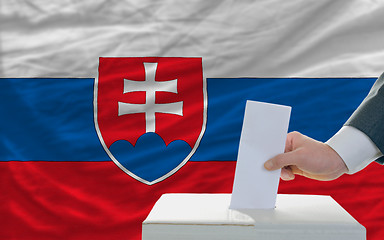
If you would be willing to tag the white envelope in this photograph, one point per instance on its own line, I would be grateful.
(263, 136)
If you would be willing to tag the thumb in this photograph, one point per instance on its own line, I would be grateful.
(281, 160)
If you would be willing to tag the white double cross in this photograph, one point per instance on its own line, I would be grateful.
(150, 87)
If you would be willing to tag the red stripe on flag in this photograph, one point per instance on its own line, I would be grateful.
(91, 200)
(96, 200)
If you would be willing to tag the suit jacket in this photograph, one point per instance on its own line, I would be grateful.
(369, 116)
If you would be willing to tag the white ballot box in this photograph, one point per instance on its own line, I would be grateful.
(208, 217)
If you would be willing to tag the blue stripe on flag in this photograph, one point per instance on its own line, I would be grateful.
(48, 119)
(51, 119)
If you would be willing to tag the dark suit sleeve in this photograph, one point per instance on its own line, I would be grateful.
(369, 116)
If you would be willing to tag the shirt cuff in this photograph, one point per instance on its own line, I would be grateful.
(355, 148)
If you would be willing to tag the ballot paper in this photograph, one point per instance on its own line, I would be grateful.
(263, 136)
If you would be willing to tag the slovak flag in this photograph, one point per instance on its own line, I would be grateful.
(94, 154)
(105, 106)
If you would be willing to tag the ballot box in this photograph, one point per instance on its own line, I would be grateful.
(208, 217)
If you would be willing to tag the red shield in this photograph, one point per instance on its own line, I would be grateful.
(137, 96)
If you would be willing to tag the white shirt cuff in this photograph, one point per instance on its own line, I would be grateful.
(354, 147)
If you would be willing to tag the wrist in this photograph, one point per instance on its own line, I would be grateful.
(339, 166)
(354, 147)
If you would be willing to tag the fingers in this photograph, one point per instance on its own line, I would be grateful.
(291, 155)
(291, 139)
(282, 160)
(287, 174)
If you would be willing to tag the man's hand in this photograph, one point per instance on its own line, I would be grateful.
(307, 157)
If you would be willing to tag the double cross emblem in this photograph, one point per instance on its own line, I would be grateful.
(150, 86)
